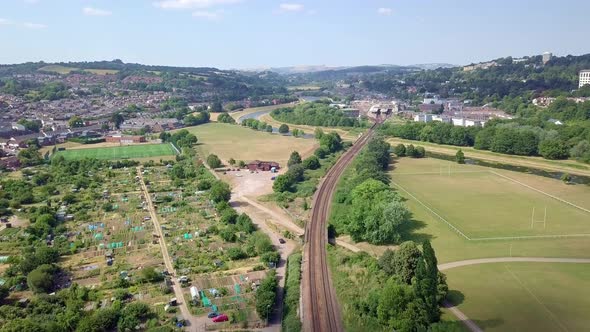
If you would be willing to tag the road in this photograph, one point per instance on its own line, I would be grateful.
(194, 323)
(321, 311)
(451, 265)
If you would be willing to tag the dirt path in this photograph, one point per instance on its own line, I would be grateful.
(451, 265)
(447, 266)
(259, 218)
(194, 323)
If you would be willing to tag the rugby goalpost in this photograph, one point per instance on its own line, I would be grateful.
(544, 221)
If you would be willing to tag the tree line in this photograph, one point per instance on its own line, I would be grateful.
(317, 113)
(522, 137)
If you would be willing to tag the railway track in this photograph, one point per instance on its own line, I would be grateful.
(321, 310)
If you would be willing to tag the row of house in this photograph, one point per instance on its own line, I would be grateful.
(456, 121)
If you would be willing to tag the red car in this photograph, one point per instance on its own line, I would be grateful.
(220, 318)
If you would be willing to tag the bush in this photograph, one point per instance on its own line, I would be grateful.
(321, 152)
(213, 161)
(220, 192)
(283, 129)
(236, 254)
(311, 163)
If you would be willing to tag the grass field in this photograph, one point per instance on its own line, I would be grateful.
(120, 152)
(233, 141)
(66, 70)
(523, 296)
(450, 246)
(482, 204)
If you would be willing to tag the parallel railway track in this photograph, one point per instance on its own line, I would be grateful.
(321, 309)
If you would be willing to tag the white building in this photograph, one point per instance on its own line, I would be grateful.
(547, 57)
(423, 117)
(584, 77)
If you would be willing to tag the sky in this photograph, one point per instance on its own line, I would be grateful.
(246, 34)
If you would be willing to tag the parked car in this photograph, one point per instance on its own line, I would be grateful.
(212, 315)
(282, 241)
(220, 318)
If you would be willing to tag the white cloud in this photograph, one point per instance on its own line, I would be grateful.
(30, 25)
(89, 11)
(207, 15)
(190, 4)
(291, 7)
(384, 11)
(4, 21)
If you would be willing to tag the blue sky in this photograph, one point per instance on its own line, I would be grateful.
(264, 33)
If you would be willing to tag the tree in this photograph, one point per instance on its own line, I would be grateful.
(41, 279)
(410, 151)
(318, 133)
(132, 315)
(30, 157)
(419, 152)
(321, 152)
(241, 164)
(566, 178)
(400, 150)
(3, 293)
(76, 122)
(581, 151)
(294, 159)
(331, 142)
(295, 132)
(553, 149)
(149, 274)
(426, 282)
(232, 161)
(219, 192)
(282, 183)
(117, 119)
(387, 262)
(265, 295)
(216, 107)
(460, 157)
(213, 161)
(311, 163)
(225, 118)
(405, 261)
(283, 129)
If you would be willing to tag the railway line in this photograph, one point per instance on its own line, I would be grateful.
(321, 311)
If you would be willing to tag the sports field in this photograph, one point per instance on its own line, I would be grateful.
(120, 152)
(523, 296)
(481, 204)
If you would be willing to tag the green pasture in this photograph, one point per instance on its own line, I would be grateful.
(523, 296)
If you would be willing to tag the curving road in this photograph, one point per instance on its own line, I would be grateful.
(320, 306)
(451, 265)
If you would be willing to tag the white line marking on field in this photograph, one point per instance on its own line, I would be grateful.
(436, 173)
(429, 209)
(496, 238)
(537, 299)
(540, 191)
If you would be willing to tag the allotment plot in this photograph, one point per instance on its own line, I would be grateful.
(482, 203)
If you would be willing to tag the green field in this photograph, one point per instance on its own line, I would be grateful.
(64, 70)
(120, 152)
(523, 296)
(450, 246)
(240, 143)
(482, 204)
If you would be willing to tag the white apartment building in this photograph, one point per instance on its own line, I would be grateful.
(584, 77)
